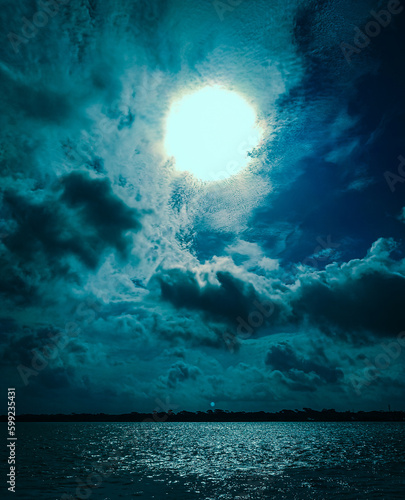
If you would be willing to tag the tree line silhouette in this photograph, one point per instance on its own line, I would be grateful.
(305, 415)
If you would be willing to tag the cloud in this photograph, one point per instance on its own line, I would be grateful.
(15, 285)
(283, 358)
(92, 208)
(228, 298)
(359, 296)
(103, 211)
(348, 300)
(180, 371)
(84, 221)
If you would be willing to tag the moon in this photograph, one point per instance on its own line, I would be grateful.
(210, 132)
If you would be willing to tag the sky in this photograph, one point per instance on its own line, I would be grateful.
(127, 285)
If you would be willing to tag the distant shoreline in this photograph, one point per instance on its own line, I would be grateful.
(306, 415)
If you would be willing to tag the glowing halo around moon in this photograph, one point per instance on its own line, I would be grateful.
(210, 132)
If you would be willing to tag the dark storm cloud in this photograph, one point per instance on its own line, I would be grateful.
(338, 184)
(87, 219)
(358, 297)
(36, 103)
(180, 371)
(361, 296)
(82, 159)
(55, 378)
(182, 329)
(282, 357)
(229, 299)
(7, 324)
(372, 302)
(101, 209)
(23, 341)
(39, 232)
(14, 284)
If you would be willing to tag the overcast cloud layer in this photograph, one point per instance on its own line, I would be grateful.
(124, 282)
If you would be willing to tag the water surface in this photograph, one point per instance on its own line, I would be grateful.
(263, 460)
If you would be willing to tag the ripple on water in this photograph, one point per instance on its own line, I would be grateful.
(209, 460)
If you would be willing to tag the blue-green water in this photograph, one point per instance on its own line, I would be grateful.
(209, 461)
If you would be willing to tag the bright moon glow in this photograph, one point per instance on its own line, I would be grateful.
(210, 132)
